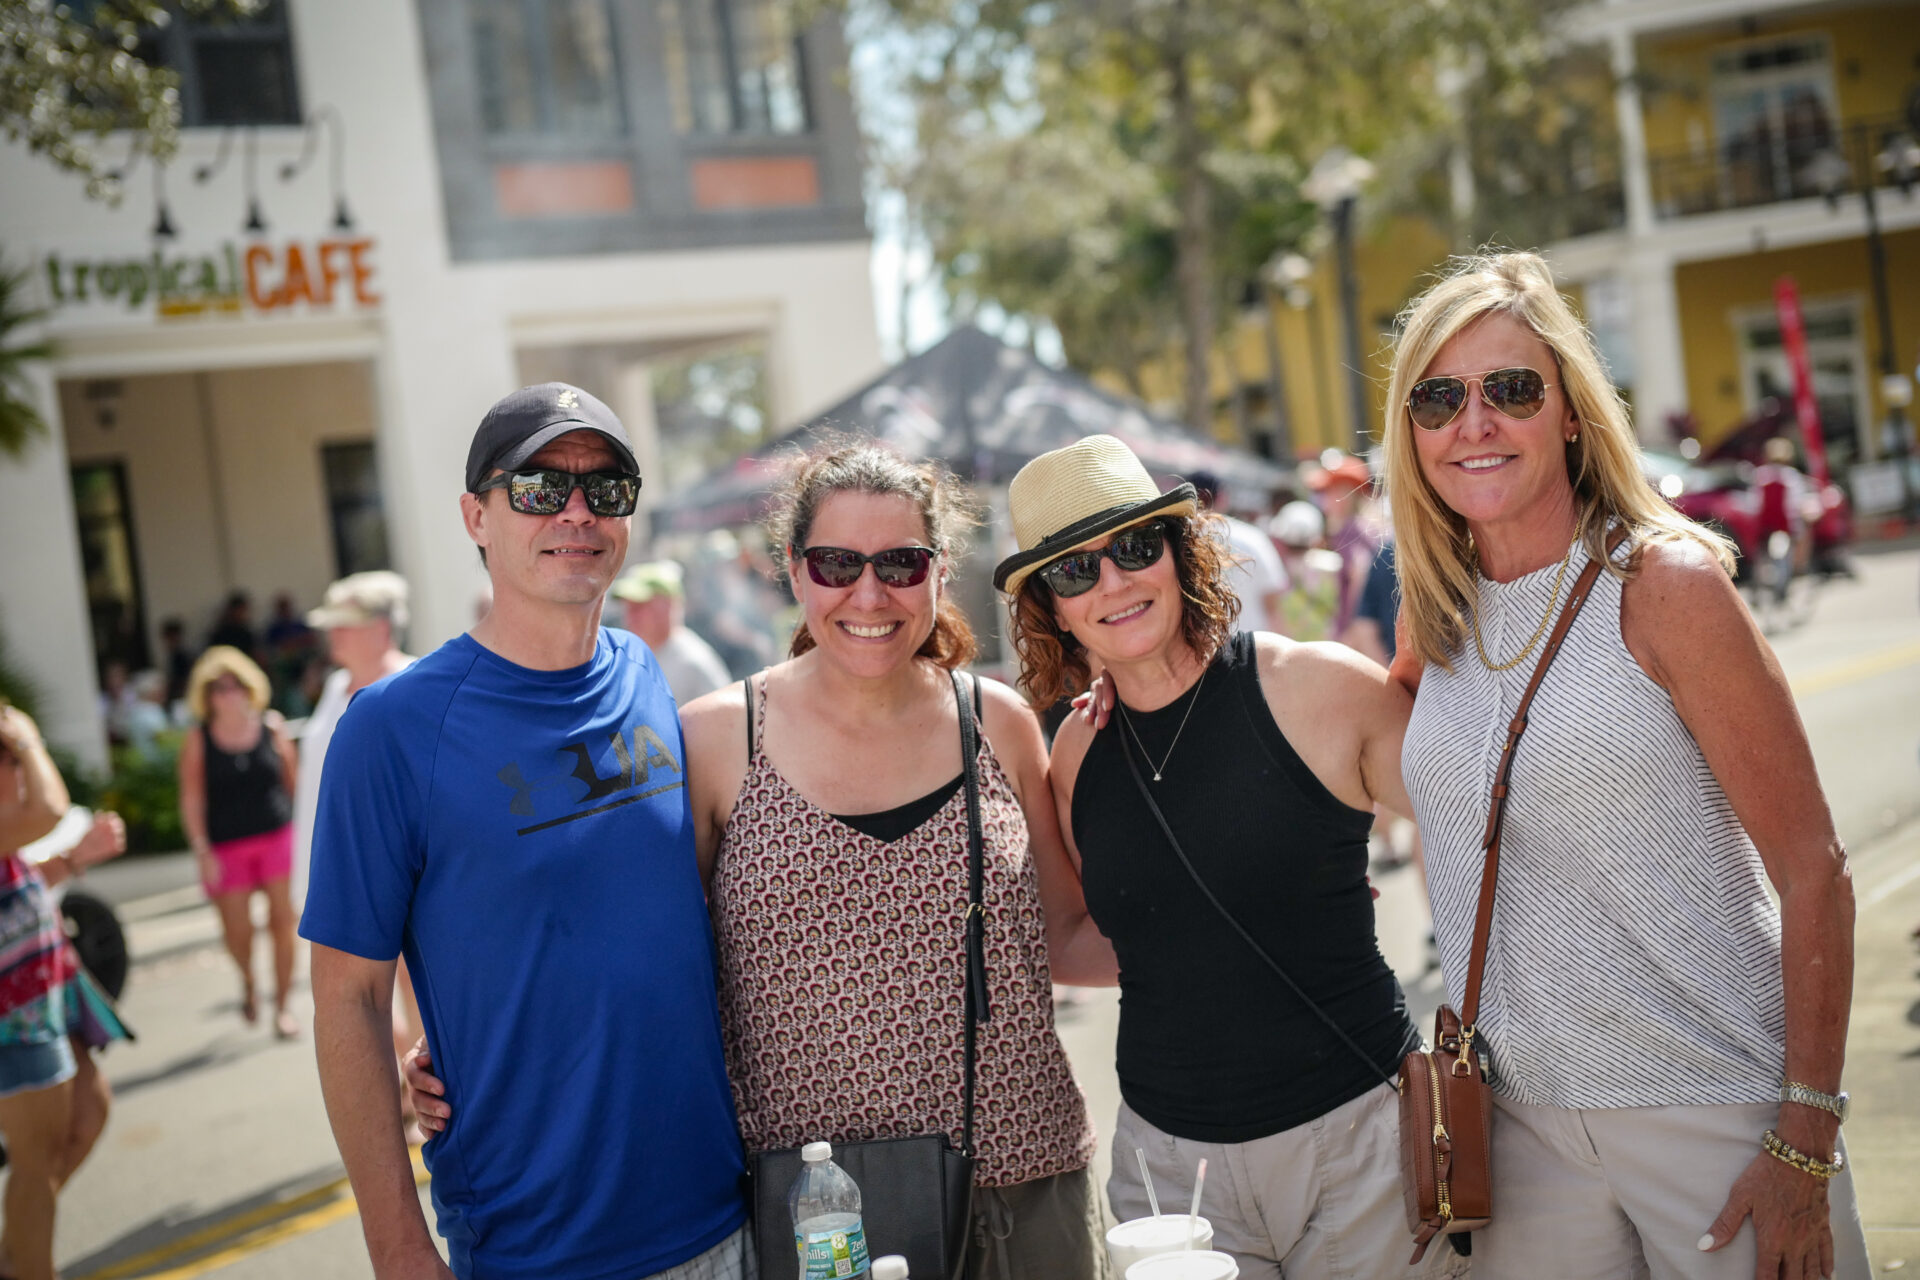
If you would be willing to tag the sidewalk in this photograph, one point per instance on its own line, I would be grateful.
(1883, 1048)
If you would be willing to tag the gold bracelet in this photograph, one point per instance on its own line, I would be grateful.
(1778, 1148)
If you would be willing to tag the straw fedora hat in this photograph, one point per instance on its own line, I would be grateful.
(1074, 495)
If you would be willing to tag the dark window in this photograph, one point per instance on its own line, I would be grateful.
(110, 565)
(546, 67)
(233, 71)
(353, 503)
(733, 66)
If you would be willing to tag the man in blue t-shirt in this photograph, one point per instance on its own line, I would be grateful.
(511, 813)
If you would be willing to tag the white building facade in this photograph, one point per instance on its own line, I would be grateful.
(272, 354)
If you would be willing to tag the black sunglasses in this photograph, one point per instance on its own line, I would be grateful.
(1078, 572)
(546, 493)
(1518, 393)
(840, 567)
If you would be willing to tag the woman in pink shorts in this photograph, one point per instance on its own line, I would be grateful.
(236, 802)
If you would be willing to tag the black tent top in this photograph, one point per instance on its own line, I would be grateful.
(985, 409)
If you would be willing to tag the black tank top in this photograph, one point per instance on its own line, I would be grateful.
(1212, 1046)
(246, 790)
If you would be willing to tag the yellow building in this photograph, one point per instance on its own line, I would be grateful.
(1751, 136)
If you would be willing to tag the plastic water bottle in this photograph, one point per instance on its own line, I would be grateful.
(827, 1230)
(891, 1267)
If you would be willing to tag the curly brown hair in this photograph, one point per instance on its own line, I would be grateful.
(1053, 664)
(854, 464)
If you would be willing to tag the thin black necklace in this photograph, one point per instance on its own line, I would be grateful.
(1128, 721)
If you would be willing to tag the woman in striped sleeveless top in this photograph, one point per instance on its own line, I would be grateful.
(1666, 1044)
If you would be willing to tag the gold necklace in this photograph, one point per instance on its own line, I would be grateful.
(1538, 631)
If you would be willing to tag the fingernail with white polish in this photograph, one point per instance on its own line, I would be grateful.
(1706, 1242)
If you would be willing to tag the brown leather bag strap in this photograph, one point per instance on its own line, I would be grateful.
(1497, 810)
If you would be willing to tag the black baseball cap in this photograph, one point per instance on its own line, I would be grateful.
(525, 422)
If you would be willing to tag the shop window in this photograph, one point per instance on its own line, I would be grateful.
(1838, 362)
(109, 565)
(233, 71)
(353, 507)
(1775, 112)
(547, 69)
(733, 67)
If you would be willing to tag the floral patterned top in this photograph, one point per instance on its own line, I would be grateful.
(842, 972)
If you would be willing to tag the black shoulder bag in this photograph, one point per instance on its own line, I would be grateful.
(916, 1193)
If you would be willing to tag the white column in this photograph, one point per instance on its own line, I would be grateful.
(1659, 358)
(631, 398)
(43, 601)
(1633, 136)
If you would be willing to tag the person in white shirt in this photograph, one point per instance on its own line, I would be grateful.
(653, 600)
(362, 615)
(1254, 571)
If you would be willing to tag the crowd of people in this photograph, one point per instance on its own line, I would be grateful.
(651, 920)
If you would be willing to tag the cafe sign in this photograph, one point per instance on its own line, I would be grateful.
(294, 277)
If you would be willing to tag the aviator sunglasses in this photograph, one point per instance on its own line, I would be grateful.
(840, 567)
(546, 493)
(1078, 572)
(1518, 393)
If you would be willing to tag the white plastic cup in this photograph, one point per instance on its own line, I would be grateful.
(1196, 1264)
(1140, 1238)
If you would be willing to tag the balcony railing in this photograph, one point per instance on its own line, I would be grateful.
(1767, 166)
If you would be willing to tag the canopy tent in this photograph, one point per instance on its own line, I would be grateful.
(982, 407)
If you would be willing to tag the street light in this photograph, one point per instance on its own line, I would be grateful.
(1334, 184)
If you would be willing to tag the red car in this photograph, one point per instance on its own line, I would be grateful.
(1720, 495)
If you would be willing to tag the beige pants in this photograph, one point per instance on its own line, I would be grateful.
(1319, 1201)
(1628, 1192)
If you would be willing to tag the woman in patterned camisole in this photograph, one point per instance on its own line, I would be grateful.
(831, 825)
(1666, 1043)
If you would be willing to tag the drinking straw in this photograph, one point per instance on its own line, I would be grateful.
(1193, 1214)
(1153, 1201)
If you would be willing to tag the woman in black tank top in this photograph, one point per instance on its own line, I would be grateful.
(237, 772)
(1264, 758)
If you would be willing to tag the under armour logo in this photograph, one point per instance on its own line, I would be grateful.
(635, 767)
(569, 399)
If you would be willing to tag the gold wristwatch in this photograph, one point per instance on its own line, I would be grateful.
(1835, 1104)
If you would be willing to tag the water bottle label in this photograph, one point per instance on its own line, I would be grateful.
(828, 1255)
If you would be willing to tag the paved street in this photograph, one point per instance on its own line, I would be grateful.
(219, 1160)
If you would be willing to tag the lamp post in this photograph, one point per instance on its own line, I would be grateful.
(1334, 184)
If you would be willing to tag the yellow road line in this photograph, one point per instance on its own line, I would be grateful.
(247, 1233)
(1873, 664)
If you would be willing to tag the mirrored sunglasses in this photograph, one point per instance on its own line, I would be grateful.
(547, 492)
(1078, 572)
(841, 567)
(1518, 393)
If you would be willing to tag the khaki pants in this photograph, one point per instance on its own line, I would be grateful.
(1629, 1191)
(1319, 1201)
(1046, 1229)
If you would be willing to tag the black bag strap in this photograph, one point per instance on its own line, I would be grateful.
(1133, 767)
(978, 1007)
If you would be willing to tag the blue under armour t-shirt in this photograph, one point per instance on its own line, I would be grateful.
(526, 838)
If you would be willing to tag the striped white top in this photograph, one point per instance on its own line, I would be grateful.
(1635, 955)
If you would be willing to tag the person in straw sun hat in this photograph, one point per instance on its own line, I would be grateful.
(1265, 756)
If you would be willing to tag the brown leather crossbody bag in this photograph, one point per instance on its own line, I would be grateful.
(1446, 1106)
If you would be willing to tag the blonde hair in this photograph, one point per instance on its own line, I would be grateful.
(225, 660)
(1434, 554)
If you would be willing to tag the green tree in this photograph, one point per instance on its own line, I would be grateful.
(72, 72)
(1122, 166)
(20, 422)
